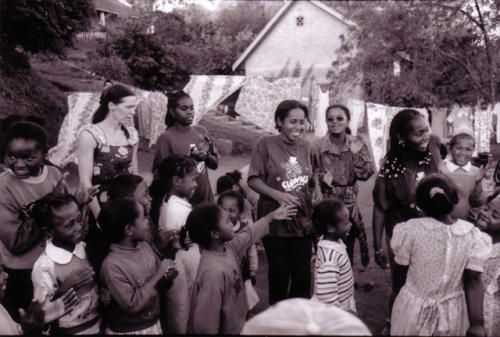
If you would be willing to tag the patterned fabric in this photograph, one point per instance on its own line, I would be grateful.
(110, 160)
(432, 301)
(491, 280)
(259, 98)
(151, 116)
(207, 91)
(379, 120)
(357, 109)
(482, 129)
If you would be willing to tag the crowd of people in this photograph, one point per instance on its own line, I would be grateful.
(115, 256)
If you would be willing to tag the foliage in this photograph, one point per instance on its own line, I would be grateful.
(111, 68)
(36, 26)
(447, 52)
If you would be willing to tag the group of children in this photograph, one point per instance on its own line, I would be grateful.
(173, 268)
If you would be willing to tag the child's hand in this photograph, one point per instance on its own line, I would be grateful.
(167, 266)
(60, 307)
(285, 212)
(104, 296)
(286, 198)
(32, 321)
(76, 281)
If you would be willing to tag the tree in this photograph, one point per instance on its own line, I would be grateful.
(447, 50)
(37, 26)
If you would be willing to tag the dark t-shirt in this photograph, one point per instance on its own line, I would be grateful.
(287, 168)
(175, 141)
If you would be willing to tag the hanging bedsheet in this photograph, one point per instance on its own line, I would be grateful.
(208, 91)
(482, 129)
(322, 100)
(379, 119)
(259, 98)
(151, 116)
(357, 110)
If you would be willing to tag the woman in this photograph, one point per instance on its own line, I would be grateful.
(193, 141)
(345, 159)
(413, 153)
(280, 170)
(107, 148)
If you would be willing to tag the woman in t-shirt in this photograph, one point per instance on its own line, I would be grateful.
(183, 138)
(281, 170)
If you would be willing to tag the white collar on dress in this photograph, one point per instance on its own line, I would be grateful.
(178, 200)
(450, 165)
(458, 228)
(62, 256)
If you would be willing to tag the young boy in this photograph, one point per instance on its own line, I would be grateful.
(26, 180)
(333, 278)
(467, 177)
(218, 302)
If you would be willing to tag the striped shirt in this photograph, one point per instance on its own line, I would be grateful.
(333, 278)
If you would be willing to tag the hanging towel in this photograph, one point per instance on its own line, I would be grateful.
(259, 98)
(323, 103)
(482, 129)
(377, 120)
(357, 109)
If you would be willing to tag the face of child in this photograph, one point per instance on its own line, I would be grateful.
(293, 125)
(225, 227)
(67, 227)
(230, 205)
(140, 227)
(142, 196)
(124, 110)
(184, 112)
(461, 152)
(343, 225)
(24, 157)
(489, 218)
(187, 185)
(3, 281)
(419, 135)
(336, 120)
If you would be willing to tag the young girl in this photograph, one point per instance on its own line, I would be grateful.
(184, 139)
(131, 271)
(488, 220)
(231, 181)
(64, 264)
(467, 177)
(233, 203)
(439, 265)
(333, 277)
(218, 303)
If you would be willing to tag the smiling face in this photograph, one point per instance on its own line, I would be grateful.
(418, 136)
(341, 230)
(24, 157)
(141, 194)
(462, 150)
(490, 217)
(124, 111)
(186, 186)
(337, 121)
(230, 205)
(184, 112)
(67, 229)
(292, 126)
(225, 227)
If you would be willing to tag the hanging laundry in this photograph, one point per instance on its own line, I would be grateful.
(207, 91)
(377, 120)
(482, 129)
(461, 118)
(323, 103)
(151, 113)
(357, 109)
(496, 111)
(259, 98)
(438, 124)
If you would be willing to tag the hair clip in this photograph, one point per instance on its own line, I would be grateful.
(435, 190)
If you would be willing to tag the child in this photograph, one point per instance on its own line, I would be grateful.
(488, 220)
(64, 264)
(131, 271)
(184, 139)
(333, 278)
(218, 303)
(231, 181)
(467, 177)
(439, 261)
(233, 203)
(26, 180)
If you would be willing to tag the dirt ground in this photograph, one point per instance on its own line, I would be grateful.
(372, 306)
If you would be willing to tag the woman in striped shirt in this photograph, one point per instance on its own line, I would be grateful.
(333, 277)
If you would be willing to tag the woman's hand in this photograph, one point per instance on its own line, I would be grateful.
(284, 212)
(317, 196)
(286, 198)
(84, 195)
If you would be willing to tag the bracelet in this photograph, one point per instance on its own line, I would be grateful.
(378, 252)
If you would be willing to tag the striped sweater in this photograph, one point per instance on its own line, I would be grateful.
(333, 277)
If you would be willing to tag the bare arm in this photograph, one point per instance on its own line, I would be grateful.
(85, 154)
(135, 164)
(473, 287)
(378, 226)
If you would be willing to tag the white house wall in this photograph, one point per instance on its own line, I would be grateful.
(314, 43)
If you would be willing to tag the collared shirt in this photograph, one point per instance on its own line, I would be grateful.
(174, 213)
(450, 165)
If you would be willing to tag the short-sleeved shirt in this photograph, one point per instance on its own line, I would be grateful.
(395, 193)
(111, 160)
(180, 141)
(286, 168)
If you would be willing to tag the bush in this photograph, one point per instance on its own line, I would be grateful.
(112, 68)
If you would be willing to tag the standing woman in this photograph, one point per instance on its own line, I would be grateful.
(345, 159)
(281, 169)
(108, 146)
(192, 141)
(413, 153)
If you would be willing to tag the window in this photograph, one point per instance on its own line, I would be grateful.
(300, 21)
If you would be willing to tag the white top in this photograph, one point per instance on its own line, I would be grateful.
(450, 165)
(174, 213)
